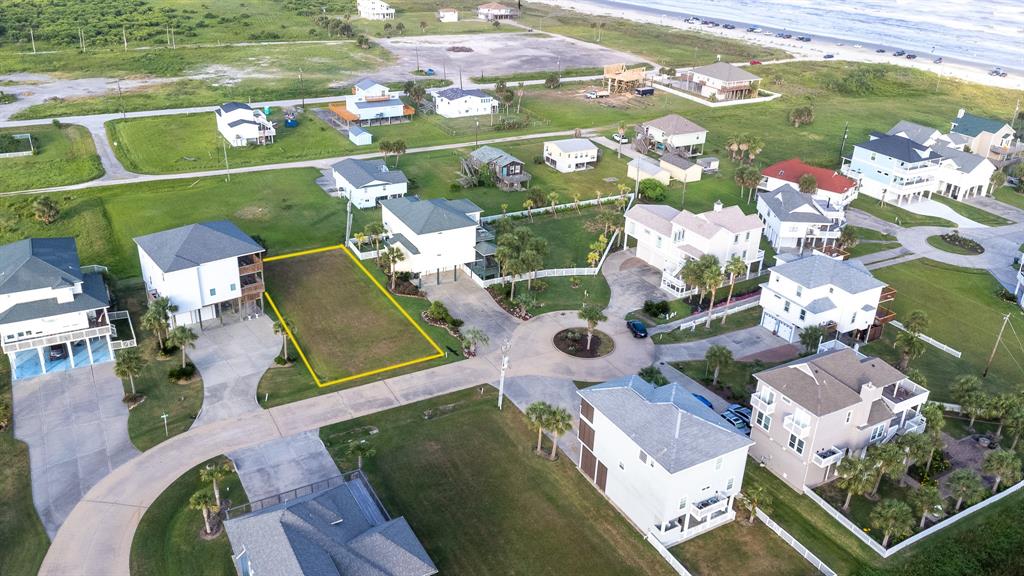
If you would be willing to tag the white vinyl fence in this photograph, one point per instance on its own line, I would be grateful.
(672, 561)
(721, 103)
(557, 208)
(686, 324)
(795, 544)
(551, 273)
(948, 350)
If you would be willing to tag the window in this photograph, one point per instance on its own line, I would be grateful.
(213, 291)
(233, 287)
(849, 415)
(718, 464)
(853, 318)
(831, 290)
(643, 456)
(796, 444)
(736, 239)
(803, 314)
(763, 420)
(677, 236)
(799, 291)
(877, 432)
(785, 307)
(621, 467)
(658, 242)
(729, 484)
(682, 502)
(787, 400)
(747, 237)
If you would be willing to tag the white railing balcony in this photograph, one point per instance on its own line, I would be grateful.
(756, 256)
(762, 404)
(705, 508)
(795, 427)
(675, 286)
(915, 425)
(54, 339)
(827, 457)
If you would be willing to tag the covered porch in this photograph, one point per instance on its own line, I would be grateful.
(60, 357)
(699, 518)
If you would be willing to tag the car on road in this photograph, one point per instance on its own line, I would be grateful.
(736, 422)
(620, 138)
(829, 56)
(755, 62)
(911, 56)
(728, 26)
(880, 51)
(937, 60)
(899, 53)
(1012, 181)
(638, 328)
(857, 46)
(804, 38)
(704, 401)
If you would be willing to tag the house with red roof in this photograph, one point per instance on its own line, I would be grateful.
(833, 190)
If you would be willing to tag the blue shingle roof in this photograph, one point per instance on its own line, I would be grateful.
(899, 148)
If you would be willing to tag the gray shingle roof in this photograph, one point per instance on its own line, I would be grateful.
(673, 124)
(965, 161)
(667, 422)
(821, 305)
(899, 148)
(327, 534)
(490, 154)
(456, 93)
(366, 84)
(921, 134)
(433, 215)
(574, 145)
(377, 104)
(817, 270)
(360, 173)
(404, 242)
(726, 72)
(94, 296)
(677, 161)
(791, 205)
(36, 263)
(195, 244)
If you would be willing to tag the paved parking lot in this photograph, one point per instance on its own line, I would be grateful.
(283, 464)
(76, 428)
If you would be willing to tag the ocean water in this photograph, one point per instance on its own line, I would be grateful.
(989, 32)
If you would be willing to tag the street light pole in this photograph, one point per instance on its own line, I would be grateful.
(505, 347)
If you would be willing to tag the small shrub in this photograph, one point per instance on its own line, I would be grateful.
(539, 286)
(538, 159)
(654, 376)
(180, 374)
(281, 360)
(130, 399)
(656, 309)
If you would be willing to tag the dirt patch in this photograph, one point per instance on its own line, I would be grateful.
(459, 49)
(573, 341)
(253, 213)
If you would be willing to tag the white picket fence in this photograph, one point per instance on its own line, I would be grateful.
(672, 560)
(550, 273)
(717, 313)
(556, 208)
(948, 350)
(795, 544)
(721, 103)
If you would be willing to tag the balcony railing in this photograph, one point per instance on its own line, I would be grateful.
(253, 268)
(705, 508)
(795, 427)
(883, 315)
(888, 294)
(915, 425)
(763, 405)
(252, 289)
(827, 457)
(53, 339)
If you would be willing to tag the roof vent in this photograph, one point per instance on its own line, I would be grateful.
(960, 113)
(338, 521)
(718, 205)
(679, 421)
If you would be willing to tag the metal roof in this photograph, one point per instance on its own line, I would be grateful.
(971, 125)
(674, 124)
(36, 263)
(189, 246)
(457, 93)
(573, 145)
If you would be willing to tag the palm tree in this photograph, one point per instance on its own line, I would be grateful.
(754, 498)
(965, 485)
(893, 518)
(734, 267)
(398, 148)
(690, 275)
(387, 29)
(553, 200)
(360, 449)
(183, 337)
(711, 278)
(558, 422)
(910, 346)
(592, 315)
(528, 206)
(214, 474)
(537, 414)
(932, 413)
(392, 256)
(576, 201)
(999, 406)
(718, 356)
(916, 322)
(855, 475)
(203, 502)
(129, 364)
(916, 448)
(360, 238)
(375, 230)
(926, 500)
(732, 143)
(996, 182)
(888, 460)
(808, 183)
(400, 28)
(473, 337)
(754, 147)
(1003, 465)
(967, 391)
(810, 337)
(155, 319)
(283, 327)
(385, 147)
(423, 26)
(1014, 420)
(847, 237)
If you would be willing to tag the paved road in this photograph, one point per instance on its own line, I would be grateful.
(282, 464)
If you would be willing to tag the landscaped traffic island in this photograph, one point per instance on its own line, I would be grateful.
(576, 342)
(956, 244)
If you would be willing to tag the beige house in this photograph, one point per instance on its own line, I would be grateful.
(994, 139)
(680, 168)
(810, 413)
(644, 168)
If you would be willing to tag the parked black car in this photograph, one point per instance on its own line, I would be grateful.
(57, 352)
(899, 53)
(638, 328)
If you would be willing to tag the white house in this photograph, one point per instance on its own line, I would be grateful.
(571, 154)
(817, 290)
(435, 235)
(241, 124)
(53, 315)
(666, 238)
(366, 182)
(459, 103)
(893, 168)
(993, 139)
(645, 168)
(794, 221)
(448, 15)
(670, 464)
(375, 10)
(358, 136)
(207, 270)
(722, 81)
(675, 133)
(961, 174)
(833, 192)
(372, 103)
(495, 11)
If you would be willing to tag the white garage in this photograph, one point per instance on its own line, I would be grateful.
(778, 326)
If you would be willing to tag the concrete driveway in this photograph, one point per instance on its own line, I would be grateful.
(473, 305)
(525, 390)
(632, 281)
(746, 342)
(76, 428)
(231, 360)
(283, 464)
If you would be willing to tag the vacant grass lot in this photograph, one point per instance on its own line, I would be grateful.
(284, 207)
(348, 328)
(569, 234)
(753, 549)
(735, 380)
(191, 143)
(964, 312)
(65, 155)
(480, 501)
(167, 539)
(24, 539)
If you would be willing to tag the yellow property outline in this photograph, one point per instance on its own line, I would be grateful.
(391, 298)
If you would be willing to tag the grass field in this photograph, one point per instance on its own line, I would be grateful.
(897, 215)
(752, 549)
(285, 208)
(569, 235)
(24, 539)
(479, 500)
(411, 19)
(973, 212)
(65, 155)
(964, 312)
(1010, 196)
(167, 539)
(347, 329)
(736, 321)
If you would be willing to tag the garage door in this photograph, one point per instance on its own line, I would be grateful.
(644, 252)
(782, 329)
(785, 331)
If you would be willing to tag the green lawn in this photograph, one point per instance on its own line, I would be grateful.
(568, 234)
(736, 321)
(1010, 196)
(865, 248)
(939, 242)
(678, 306)
(964, 312)
(167, 539)
(284, 207)
(735, 380)
(481, 502)
(957, 427)
(739, 548)
(974, 213)
(561, 293)
(869, 234)
(64, 155)
(861, 506)
(897, 215)
(191, 143)
(411, 19)
(24, 539)
(181, 402)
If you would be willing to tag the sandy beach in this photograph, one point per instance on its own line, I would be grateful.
(814, 50)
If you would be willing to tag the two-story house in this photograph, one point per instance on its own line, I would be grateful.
(507, 171)
(818, 290)
(207, 270)
(893, 168)
(961, 174)
(811, 413)
(435, 235)
(571, 154)
(53, 313)
(669, 463)
(722, 81)
(833, 191)
(367, 182)
(666, 238)
(372, 103)
(459, 103)
(495, 11)
(673, 133)
(991, 138)
(793, 221)
(375, 10)
(241, 124)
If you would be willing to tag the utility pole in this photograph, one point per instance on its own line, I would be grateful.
(168, 30)
(460, 77)
(124, 37)
(842, 147)
(505, 347)
(81, 40)
(32, 35)
(1006, 320)
(418, 58)
(348, 222)
(224, 145)
(302, 91)
(173, 45)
